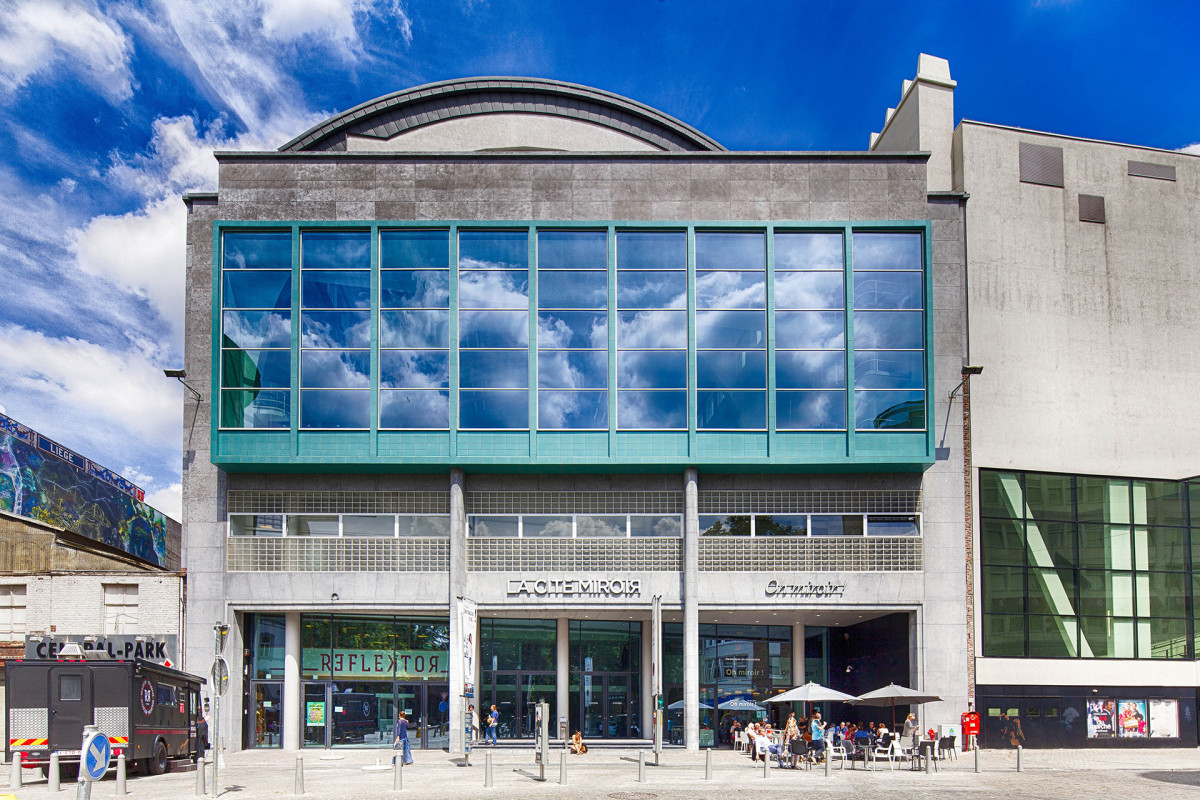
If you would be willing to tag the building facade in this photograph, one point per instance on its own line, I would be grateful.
(496, 367)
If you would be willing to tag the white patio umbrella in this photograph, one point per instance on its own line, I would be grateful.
(678, 706)
(890, 695)
(810, 693)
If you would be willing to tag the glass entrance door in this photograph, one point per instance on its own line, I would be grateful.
(266, 722)
(610, 706)
(315, 714)
(516, 695)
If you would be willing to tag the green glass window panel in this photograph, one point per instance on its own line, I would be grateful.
(1000, 495)
(1106, 593)
(606, 646)
(1049, 496)
(1159, 503)
(1168, 594)
(1003, 635)
(315, 632)
(1003, 590)
(1107, 637)
(255, 409)
(1162, 638)
(268, 646)
(887, 250)
(1105, 547)
(796, 250)
(1160, 549)
(517, 644)
(1051, 544)
(1052, 592)
(722, 525)
(1103, 499)
(1053, 637)
(1002, 541)
(335, 249)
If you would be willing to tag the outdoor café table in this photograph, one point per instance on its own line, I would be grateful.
(921, 748)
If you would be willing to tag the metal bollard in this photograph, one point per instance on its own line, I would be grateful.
(299, 775)
(1020, 766)
(201, 773)
(487, 769)
(929, 762)
(978, 766)
(708, 764)
(398, 773)
(121, 776)
(767, 764)
(14, 780)
(52, 778)
(828, 761)
(562, 768)
(641, 766)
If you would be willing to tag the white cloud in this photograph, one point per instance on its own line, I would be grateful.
(41, 35)
(331, 19)
(168, 500)
(136, 475)
(1192, 149)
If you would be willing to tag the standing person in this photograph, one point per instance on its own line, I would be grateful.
(473, 723)
(791, 737)
(910, 728)
(817, 728)
(493, 723)
(402, 739)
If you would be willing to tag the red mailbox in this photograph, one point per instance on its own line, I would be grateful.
(970, 727)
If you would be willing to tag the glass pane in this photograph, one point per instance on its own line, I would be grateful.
(652, 289)
(651, 369)
(335, 329)
(1167, 638)
(428, 526)
(258, 250)
(493, 409)
(780, 525)
(889, 410)
(888, 289)
(887, 251)
(255, 409)
(810, 369)
(255, 525)
(1052, 592)
(335, 249)
(1003, 635)
(1106, 593)
(335, 289)
(731, 410)
(1051, 544)
(731, 290)
(731, 369)
(1002, 541)
(815, 330)
(572, 249)
(893, 526)
(414, 409)
(493, 369)
(378, 525)
(1053, 637)
(810, 410)
(1161, 549)
(652, 410)
(414, 289)
(335, 369)
(253, 369)
(414, 369)
(652, 329)
(1107, 637)
(572, 369)
(1049, 496)
(652, 249)
(414, 329)
(809, 290)
(731, 329)
(1105, 547)
(493, 289)
(1167, 595)
(1164, 502)
(577, 410)
(1000, 494)
(493, 526)
(577, 329)
(493, 328)
(731, 250)
(1103, 500)
(640, 525)
(836, 525)
(881, 330)
(256, 328)
(414, 249)
(599, 526)
(572, 289)
(536, 527)
(889, 369)
(335, 409)
(726, 525)
(266, 289)
(312, 525)
(493, 249)
(1003, 590)
(808, 251)
(268, 647)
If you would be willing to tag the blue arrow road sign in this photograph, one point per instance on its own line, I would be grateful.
(96, 754)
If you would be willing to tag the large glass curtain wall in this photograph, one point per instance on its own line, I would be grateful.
(1077, 566)
(439, 328)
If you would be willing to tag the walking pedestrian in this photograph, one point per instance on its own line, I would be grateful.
(493, 724)
(402, 740)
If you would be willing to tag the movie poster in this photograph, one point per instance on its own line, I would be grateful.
(1131, 719)
(1101, 718)
(1164, 719)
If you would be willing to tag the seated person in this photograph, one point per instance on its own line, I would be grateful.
(577, 745)
(752, 739)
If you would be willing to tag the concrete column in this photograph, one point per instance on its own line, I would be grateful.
(798, 678)
(647, 725)
(293, 719)
(458, 587)
(562, 674)
(691, 610)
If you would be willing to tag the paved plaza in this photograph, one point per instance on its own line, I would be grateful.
(613, 775)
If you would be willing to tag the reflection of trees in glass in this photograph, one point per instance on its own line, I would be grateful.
(728, 526)
(767, 525)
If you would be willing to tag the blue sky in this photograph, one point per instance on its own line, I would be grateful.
(109, 111)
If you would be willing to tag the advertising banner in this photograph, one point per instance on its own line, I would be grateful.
(468, 615)
(1102, 718)
(1131, 719)
(375, 664)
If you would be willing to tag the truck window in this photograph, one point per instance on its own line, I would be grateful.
(166, 695)
(70, 687)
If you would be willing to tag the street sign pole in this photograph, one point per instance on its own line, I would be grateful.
(220, 676)
(94, 755)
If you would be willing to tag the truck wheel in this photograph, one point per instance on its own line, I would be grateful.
(158, 762)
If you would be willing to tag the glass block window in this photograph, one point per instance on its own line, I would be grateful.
(493, 329)
(889, 331)
(572, 329)
(414, 329)
(256, 329)
(810, 331)
(731, 330)
(652, 330)
(335, 329)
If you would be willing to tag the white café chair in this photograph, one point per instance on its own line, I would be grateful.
(886, 748)
(835, 751)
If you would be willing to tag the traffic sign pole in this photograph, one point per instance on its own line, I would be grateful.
(94, 756)
(220, 676)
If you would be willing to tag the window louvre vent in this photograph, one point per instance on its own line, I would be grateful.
(1091, 208)
(1041, 164)
(1144, 169)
